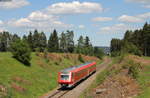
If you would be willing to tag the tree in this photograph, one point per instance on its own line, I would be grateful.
(146, 38)
(80, 45)
(5, 40)
(116, 45)
(98, 52)
(87, 41)
(69, 40)
(53, 42)
(35, 40)
(24, 38)
(63, 42)
(42, 42)
(21, 51)
(15, 37)
(128, 35)
(136, 42)
(30, 41)
(88, 48)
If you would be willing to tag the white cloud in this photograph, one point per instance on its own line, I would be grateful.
(38, 16)
(81, 26)
(74, 7)
(2, 29)
(2, 26)
(117, 28)
(139, 1)
(39, 20)
(144, 16)
(13, 4)
(101, 19)
(146, 6)
(134, 19)
(126, 18)
(145, 3)
(1, 22)
(49, 17)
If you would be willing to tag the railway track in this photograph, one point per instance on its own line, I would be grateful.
(58, 94)
(63, 93)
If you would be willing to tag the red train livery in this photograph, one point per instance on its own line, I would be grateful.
(70, 76)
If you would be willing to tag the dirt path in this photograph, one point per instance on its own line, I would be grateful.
(75, 92)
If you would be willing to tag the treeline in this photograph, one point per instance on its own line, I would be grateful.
(135, 42)
(38, 42)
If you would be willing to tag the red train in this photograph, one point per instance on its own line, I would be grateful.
(70, 76)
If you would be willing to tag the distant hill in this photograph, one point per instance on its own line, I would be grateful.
(105, 49)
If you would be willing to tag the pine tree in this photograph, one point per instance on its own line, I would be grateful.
(116, 45)
(42, 42)
(53, 42)
(80, 45)
(63, 42)
(30, 41)
(25, 38)
(70, 41)
(15, 37)
(5, 41)
(35, 40)
(87, 41)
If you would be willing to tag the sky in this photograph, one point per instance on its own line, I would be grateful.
(101, 20)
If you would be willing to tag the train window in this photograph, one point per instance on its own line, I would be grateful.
(64, 77)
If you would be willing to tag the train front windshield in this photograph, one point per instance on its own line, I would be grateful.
(64, 77)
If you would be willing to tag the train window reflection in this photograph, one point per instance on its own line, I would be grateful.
(64, 77)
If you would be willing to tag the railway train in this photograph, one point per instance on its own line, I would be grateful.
(71, 76)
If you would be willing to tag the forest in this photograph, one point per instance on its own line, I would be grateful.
(136, 42)
(21, 47)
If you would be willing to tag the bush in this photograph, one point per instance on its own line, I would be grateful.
(46, 55)
(80, 58)
(98, 53)
(115, 53)
(131, 48)
(37, 51)
(134, 69)
(21, 51)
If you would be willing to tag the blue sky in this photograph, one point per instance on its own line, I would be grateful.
(101, 20)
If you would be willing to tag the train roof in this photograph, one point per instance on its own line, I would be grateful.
(75, 67)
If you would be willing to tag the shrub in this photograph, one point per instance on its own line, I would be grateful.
(115, 53)
(131, 48)
(37, 51)
(98, 52)
(134, 69)
(21, 51)
(46, 55)
(80, 58)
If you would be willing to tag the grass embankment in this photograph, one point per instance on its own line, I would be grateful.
(131, 66)
(20, 81)
(144, 80)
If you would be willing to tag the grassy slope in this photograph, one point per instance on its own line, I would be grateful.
(144, 81)
(39, 79)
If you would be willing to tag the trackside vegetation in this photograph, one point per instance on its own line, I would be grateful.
(138, 69)
(21, 51)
